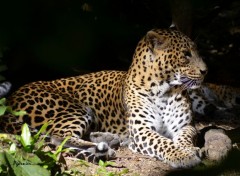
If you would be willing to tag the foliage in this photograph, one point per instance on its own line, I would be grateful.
(30, 159)
(4, 109)
(102, 170)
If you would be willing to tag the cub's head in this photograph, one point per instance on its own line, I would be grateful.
(168, 55)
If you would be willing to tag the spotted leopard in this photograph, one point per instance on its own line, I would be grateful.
(221, 95)
(148, 105)
(210, 98)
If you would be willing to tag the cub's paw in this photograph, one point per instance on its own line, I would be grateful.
(113, 140)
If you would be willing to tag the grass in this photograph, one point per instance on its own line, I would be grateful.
(25, 154)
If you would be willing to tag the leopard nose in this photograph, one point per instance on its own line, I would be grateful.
(204, 72)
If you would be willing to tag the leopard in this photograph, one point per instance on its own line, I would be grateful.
(211, 97)
(148, 106)
(225, 96)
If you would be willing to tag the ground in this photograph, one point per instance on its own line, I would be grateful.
(140, 165)
(222, 159)
(137, 165)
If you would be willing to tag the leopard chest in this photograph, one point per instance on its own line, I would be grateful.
(171, 112)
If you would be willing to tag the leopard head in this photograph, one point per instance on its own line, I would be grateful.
(168, 56)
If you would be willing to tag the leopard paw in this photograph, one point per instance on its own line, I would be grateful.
(185, 158)
(113, 140)
(100, 152)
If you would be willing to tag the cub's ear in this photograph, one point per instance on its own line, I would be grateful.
(156, 41)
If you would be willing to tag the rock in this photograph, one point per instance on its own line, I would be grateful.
(217, 144)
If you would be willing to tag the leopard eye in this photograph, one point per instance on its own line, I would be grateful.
(187, 54)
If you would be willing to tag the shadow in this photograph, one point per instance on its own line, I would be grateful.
(230, 166)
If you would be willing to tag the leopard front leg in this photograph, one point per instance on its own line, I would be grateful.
(177, 117)
(160, 134)
(186, 137)
(149, 142)
(177, 120)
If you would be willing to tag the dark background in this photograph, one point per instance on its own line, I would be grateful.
(46, 39)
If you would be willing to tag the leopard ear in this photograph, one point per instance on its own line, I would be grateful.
(173, 26)
(156, 41)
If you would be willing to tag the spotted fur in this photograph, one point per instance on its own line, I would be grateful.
(147, 105)
(221, 95)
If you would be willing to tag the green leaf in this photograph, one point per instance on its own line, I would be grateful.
(51, 155)
(2, 101)
(18, 113)
(2, 159)
(109, 163)
(25, 168)
(26, 139)
(84, 163)
(33, 158)
(12, 148)
(124, 171)
(105, 164)
(101, 163)
(2, 110)
(60, 147)
(42, 130)
(4, 169)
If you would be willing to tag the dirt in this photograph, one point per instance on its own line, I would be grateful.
(141, 165)
(133, 164)
(136, 164)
